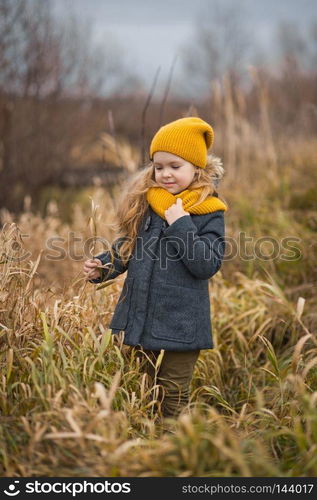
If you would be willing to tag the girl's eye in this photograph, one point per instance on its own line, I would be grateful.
(159, 168)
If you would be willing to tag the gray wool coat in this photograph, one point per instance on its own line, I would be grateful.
(164, 303)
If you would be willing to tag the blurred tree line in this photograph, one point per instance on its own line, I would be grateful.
(49, 73)
(53, 78)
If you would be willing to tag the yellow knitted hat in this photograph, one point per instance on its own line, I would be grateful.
(190, 138)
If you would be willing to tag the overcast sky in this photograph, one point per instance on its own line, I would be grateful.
(151, 33)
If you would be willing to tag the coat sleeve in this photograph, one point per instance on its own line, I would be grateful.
(201, 253)
(118, 266)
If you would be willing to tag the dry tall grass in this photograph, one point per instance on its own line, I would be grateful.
(73, 403)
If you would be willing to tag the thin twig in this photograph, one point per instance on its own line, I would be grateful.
(148, 100)
(170, 76)
(114, 136)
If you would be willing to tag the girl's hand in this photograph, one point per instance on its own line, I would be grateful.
(90, 268)
(175, 211)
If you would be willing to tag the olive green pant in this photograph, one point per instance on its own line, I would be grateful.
(174, 375)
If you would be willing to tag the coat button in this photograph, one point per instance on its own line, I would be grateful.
(147, 223)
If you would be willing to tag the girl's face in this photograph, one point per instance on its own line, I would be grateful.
(172, 172)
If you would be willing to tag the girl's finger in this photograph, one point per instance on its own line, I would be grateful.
(88, 268)
(92, 263)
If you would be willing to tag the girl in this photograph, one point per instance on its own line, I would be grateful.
(172, 242)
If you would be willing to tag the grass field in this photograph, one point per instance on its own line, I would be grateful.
(74, 404)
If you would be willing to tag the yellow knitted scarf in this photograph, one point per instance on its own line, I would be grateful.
(160, 200)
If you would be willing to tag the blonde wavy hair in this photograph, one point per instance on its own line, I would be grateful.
(133, 204)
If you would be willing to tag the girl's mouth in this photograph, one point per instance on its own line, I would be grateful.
(168, 183)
